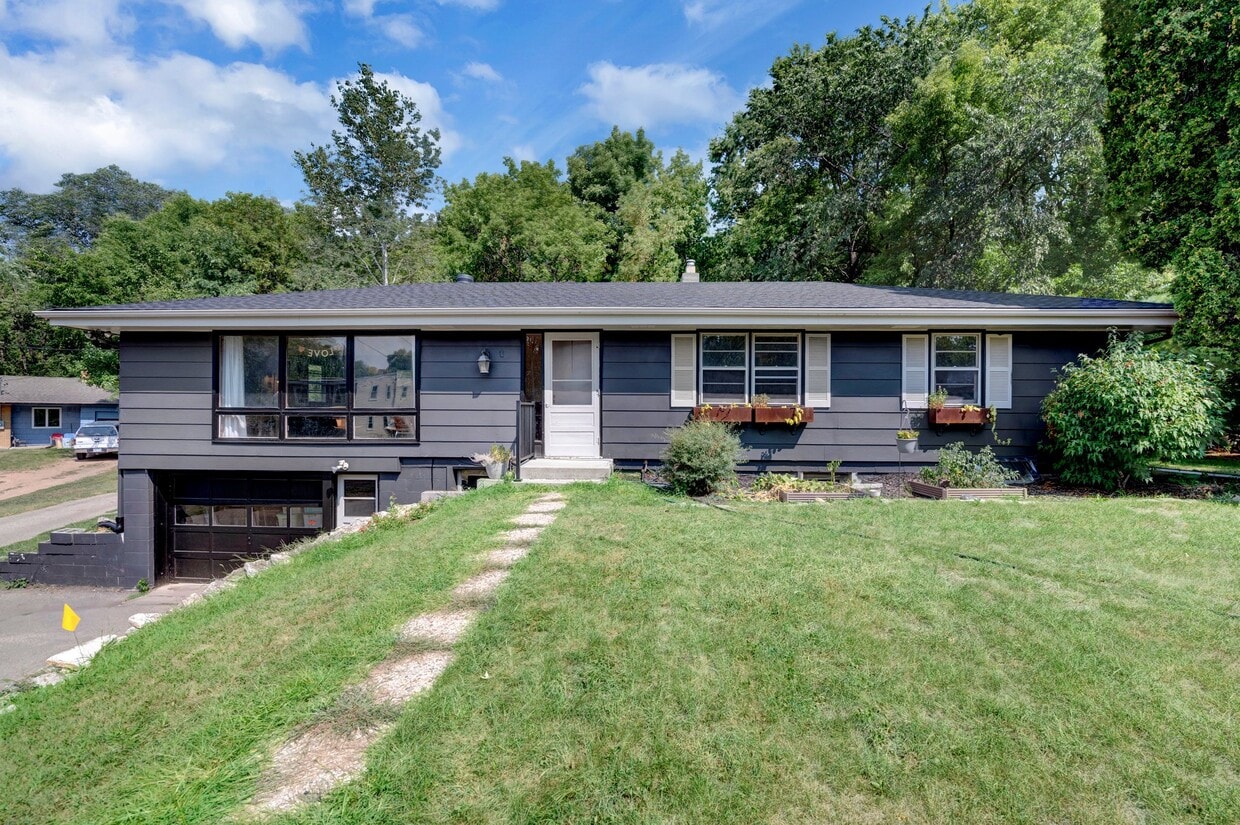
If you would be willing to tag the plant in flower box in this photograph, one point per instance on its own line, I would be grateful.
(790, 414)
(727, 413)
(789, 488)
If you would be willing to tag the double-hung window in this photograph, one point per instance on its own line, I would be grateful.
(777, 367)
(957, 364)
(725, 368)
(736, 367)
(316, 387)
(45, 417)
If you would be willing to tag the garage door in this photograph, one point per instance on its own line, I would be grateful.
(214, 523)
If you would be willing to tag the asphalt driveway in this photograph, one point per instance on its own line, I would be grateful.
(34, 522)
(30, 629)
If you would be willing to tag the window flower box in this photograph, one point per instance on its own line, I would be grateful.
(966, 416)
(926, 490)
(790, 414)
(730, 414)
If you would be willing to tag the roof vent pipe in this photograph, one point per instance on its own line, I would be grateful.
(690, 275)
(462, 278)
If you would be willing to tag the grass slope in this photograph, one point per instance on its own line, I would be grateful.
(658, 661)
(173, 725)
(16, 460)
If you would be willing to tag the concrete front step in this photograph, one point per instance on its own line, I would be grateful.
(566, 470)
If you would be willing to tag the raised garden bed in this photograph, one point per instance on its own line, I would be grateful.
(782, 415)
(802, 496)
(926, 490)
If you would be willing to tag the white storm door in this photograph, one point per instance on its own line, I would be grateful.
(571, 414)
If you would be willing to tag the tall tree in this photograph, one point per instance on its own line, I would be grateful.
(522, 225)
(379, 166)
(1173, 156)
(663, 219)
(602, 172)
(75, 212)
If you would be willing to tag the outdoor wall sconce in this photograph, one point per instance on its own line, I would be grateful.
(484, 363)
(341, 466)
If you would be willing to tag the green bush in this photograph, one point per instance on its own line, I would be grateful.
(957, 467)
(1110, 416)
(701, 456)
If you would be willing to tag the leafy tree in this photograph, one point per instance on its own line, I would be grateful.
(603, 172)
(664, 218)
(376, 170)
(522, 225)
(1172, 144)
(802, 171)
(75, 213)
(1110, 416)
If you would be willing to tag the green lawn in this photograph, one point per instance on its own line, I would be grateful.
(95, 485)
(1208, 464)
(655, 660)
(20, 459)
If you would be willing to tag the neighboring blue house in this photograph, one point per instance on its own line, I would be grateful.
(249, 421)
(34, 408)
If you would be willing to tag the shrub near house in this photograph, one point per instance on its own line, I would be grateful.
(1110, 416)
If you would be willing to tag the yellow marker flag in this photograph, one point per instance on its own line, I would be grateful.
(69, 620)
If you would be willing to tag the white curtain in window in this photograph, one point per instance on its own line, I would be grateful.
(232, 384)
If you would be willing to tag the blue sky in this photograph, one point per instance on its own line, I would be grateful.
(213, 96)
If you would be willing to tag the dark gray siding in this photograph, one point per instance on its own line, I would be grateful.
(858, 429)
(166, 409)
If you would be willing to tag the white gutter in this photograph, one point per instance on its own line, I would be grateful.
(612, 318)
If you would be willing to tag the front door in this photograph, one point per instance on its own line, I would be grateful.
(571, 424)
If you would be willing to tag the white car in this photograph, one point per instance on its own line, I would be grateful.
(96, 439)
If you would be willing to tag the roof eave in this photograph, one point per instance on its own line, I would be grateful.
(621, 318)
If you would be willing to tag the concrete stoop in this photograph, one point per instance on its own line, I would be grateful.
(566, 470)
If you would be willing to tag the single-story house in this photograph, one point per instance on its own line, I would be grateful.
(34, 408)
(249, 421)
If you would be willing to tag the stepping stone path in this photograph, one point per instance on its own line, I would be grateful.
(323, 757)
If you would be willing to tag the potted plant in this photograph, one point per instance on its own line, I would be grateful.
(906, 440)
(495, 460)
(963, 474)
(727, 413)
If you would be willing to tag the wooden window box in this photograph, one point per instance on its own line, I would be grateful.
(925, 490)
(943, 417)
(782, 415)
(727, 413)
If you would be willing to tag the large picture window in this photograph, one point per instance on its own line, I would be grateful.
(957, 367)
(317, 387)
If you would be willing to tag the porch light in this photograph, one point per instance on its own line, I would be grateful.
(484, 363)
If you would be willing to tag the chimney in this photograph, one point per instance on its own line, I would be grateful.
(690, 275)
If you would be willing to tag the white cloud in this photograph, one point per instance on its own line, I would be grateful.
(522, 152)
(61, 112)
(753, 13)
(84, 22)
(430, 105)
(476, 5)
(482, 71)
(658, 93)
(271, 24)
(401, 29)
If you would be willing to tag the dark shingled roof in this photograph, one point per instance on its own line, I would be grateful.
(37, 389)
(690, 296)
